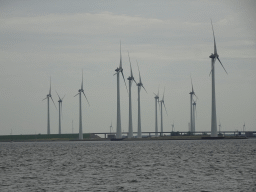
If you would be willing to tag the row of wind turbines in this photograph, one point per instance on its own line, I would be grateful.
(213, 57)
(131, 79)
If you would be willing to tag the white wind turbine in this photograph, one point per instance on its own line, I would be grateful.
(213, 57)
(194, 116)
(172, 126)
(192, 128)
(161, 110)
(156, 101)
(118, 121)
(219, 128)
(110, 127)
(60, 111)
(131, 78)
(80, 91)
(139, 135)
(48, 108)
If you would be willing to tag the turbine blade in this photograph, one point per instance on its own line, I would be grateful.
(63, 97)
(222, 65)
(144, 89)
(115, 73)
(50, 85)
(44, 98)
(215, 48)
(53, 102)
(212, 65)
(124, 81)
(163, 94)
(158, 91)
(58, 95)
(76, 94)
(191, 81)
(165, 109)
(86, 99)
(139, 72)
(82, 80)
(154, 94)
(134, 81)
(130, 64)
(120, 65)
(195, 95)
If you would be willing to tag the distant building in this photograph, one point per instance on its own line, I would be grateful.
(111, 136)
(249, 134)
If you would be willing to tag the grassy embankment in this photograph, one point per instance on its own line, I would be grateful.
(43, 137)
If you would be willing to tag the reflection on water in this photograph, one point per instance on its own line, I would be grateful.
(227, 165)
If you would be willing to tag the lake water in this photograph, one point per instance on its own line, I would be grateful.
(202, 165)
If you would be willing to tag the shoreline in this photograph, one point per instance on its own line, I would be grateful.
(196, 137)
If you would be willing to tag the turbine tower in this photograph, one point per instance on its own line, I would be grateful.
(192, 129)
(118, 117)
(139, 135)
(48, 108)
(156, 101)
(161, 110)
(213, 57)
(131, 78)
(244, 127)
(60, 111)
(110, 127)
(194, 116)
(219, 128)
(80, 91)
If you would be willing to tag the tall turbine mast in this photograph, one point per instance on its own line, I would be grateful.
(110, 127)
(48, 108)
(139, 135)
(194, 116)
(161, 111)
(130, 79)
(219, 128)
(60, 111)
(213, 57)
(156, 101)
(118, 117)
(192, 93)
(80, 91)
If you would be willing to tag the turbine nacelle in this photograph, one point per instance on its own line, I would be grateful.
(130, 78)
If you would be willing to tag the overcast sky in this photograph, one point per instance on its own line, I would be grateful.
(171, 40)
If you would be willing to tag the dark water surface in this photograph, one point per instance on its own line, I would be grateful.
(226, 165)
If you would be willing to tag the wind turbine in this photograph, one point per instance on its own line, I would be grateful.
(118, 118)
(110, 127)
(213, 57)
(131, 78)
(48, 108)
(172, 126)
(80, 91)
(139, 117)
(60, 111)
(161, 104)
(156, 101)
(194, 115)
(192, 129)
(219, 128)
